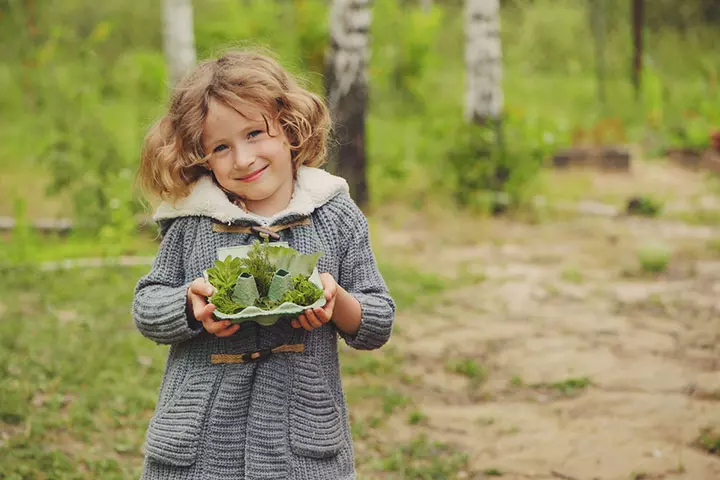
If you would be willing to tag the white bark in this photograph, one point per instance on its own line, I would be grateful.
(178, 37)
(426, 5)
(349, 37)
(483, 59)
(347, 90)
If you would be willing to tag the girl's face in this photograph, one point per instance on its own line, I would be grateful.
(247, 159)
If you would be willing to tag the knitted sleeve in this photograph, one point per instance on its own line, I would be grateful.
(359, 275)
(160, 309)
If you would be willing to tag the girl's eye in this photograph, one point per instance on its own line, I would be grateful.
(254, 133)
(220, 148)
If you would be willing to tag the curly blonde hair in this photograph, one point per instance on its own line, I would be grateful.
(173, 158)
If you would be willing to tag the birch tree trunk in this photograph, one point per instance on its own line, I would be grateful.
(178, 38)
(483, 59)
(347, 90)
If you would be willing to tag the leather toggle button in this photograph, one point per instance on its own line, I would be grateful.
(265, 232)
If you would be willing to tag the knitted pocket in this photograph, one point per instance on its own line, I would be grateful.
(175, 429)
(316, 428)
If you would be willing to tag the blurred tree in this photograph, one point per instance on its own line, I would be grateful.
(597, 24)
(483, 58)
(178, 38)
(638, 9)
(347, 90)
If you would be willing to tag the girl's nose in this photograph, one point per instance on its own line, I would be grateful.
(243, 158)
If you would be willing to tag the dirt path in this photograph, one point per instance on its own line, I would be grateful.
(565, 361)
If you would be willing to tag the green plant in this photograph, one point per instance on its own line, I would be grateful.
(709, 440)
(654, 257)
(304, 292)
(415, 417)
(572, 275)
(569, 386)
(423, 459)
(261, 263)
(257, 263)
(644, 205)
(493, 472)
(468, 367)
(223, 276)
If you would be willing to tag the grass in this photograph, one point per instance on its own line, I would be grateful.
(569, 386)
(476, 374)
(35, 249)
(411, 288)
(423, 459)
(81, 382)
(572, 275)
(416, 417)
(709, 440)
(653, 257)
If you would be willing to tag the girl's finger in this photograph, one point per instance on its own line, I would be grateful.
(329, 307)
(206, 313)
(303, 321)
(215, 327)
(295, 324)
(200, 287)
(322, 315)
(198, 306)
(312, 319)
(228, 331)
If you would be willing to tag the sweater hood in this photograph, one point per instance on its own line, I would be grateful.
(313, 188)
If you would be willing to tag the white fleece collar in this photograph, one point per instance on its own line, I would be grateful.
(313, 188)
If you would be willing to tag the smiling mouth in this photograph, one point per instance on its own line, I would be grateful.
(253, 176)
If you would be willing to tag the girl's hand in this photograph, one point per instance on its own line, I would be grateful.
(197, 295)
(317, 317)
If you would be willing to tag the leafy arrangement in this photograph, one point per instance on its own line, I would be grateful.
(269, 276)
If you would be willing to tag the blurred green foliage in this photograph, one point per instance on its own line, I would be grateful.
(82, 81)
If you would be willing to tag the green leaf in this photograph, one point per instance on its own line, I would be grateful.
(258, 265)
(293, 261)
(224, 273)
(304, 292)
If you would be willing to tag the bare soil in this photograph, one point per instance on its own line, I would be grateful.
(593, 368)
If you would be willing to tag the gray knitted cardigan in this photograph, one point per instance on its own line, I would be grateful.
(284, 417)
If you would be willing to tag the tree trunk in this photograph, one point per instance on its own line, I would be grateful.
(638, 21)
(483, 59)
(597, 24)
(178, 38)
(347, 91)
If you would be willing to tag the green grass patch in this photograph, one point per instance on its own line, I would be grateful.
(80, 382)
(476, 374)
(493, 472)
(22, 248)
(416, 417)
(411, 288)
(424, 459)
(653, 257)
(572, 275)
(467, 367)
(569, 387)
(709, 440)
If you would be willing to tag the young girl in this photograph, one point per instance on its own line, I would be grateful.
(235, 158)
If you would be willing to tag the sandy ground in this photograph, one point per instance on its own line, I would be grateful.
(566, 300)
